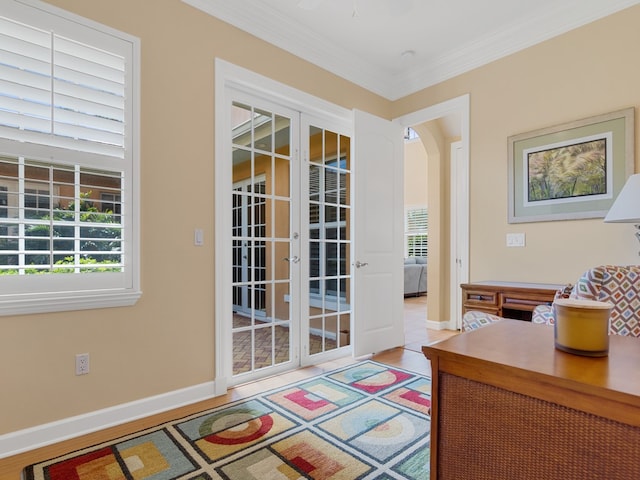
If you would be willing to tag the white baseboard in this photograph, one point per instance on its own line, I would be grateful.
(440, 325)
(54, 432)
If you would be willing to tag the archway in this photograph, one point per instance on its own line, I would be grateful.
(439, 127)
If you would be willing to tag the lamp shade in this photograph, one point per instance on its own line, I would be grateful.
(626, 208)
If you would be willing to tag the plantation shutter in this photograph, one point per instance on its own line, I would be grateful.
(60, 93)
(416, 228)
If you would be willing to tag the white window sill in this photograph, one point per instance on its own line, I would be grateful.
(61, 302)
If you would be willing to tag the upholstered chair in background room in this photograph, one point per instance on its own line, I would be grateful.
(616, 284)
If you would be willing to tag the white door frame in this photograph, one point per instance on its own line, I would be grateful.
(459, 260)
(459, 230)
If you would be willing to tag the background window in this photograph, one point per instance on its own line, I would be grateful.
(416, 232)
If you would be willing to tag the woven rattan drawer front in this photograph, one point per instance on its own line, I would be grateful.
(490, 433)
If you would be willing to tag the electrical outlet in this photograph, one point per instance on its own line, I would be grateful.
(82, 363)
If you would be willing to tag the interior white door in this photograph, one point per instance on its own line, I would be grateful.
(378, 233)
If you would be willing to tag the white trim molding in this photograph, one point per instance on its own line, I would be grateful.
(39, 436)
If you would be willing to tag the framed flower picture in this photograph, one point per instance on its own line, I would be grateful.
(570, 171)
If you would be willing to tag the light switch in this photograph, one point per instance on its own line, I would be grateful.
(198, 237)
(515, 239)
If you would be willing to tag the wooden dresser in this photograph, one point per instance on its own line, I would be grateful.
(514, 300)
(507, 405)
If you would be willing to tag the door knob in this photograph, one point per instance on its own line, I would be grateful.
(292, 259)
(361, 264)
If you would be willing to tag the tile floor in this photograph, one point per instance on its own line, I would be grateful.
(263, 344)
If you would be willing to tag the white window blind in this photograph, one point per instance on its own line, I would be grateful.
(58, 92)
(68, 161)
(416, 232)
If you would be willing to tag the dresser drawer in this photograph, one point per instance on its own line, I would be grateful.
(523, 301)
(480, 298)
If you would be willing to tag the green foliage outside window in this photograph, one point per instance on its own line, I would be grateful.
(100, 241)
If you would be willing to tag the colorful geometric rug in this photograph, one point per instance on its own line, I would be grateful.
(364, 421)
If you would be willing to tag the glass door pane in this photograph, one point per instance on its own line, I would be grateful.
(261, 243)
(329, 214)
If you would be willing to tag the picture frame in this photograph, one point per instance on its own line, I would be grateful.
(571, 171)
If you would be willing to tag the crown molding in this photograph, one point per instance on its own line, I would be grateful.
(517, 37)
(297, 40)
(256, 18)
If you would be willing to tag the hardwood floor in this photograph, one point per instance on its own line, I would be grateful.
(415, 332)
(410, 358)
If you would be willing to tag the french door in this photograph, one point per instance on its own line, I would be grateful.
(290, 238)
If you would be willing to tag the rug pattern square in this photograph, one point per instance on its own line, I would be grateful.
(376, 429)
(366, 421)
(316, 398)
(154, 454)
(225, 432)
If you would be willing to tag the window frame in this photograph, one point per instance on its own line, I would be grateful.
(27, 294)
(410, 230)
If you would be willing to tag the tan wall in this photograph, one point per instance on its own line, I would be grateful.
(415, 174)
(585, 72)
(166, 341)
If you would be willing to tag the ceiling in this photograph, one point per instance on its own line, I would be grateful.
(397, 47)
